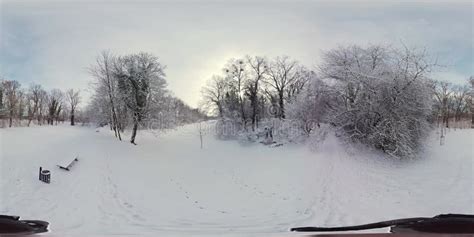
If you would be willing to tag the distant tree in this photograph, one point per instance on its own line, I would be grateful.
(34, 98)
(11, 90)
(42, 106)
(236, 72)
(55, 98)
(460, 94)
(1, 95)
(310, 106)
(470, 99)
(299, 84)
(258, 69)
(283, 72)
(213, 95)
(21, 105)
(443, 92)
(73, 100)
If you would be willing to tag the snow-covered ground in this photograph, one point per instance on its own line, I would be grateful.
(168, 185)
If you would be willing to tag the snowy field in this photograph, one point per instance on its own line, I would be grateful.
(168, 185)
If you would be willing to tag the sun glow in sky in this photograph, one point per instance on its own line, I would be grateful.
(54, 42)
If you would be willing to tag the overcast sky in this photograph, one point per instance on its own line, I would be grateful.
(53, 42)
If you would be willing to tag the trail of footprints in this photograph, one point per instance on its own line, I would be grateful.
(242, 186)
(258, 191)
(188, 196)
(126, 209)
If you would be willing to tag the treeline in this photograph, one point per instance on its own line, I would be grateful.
(453, 103)
(130, 92)
(376, 95)
(251, 86)
(23, 106)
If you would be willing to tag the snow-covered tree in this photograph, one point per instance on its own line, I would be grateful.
(443, 92)
(11, 90)
(282, 73)
(35, 94)
(55, 105)
(460, 103)
(42, 106)
(73, 100)
(22, 104)
(105, 98)
(382, 96)
(309, 107)
(258, 70)
(237, 75)
(470, 99)
(140, 79)
(213, 95)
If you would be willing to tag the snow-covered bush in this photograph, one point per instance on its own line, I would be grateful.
(380, 97)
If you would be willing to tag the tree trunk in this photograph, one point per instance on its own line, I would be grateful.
(242, 111)
(134, 132)
(72, 119)
(282, 105)
(10, 121)
(254, 111)
(114, 119)
(472, 120)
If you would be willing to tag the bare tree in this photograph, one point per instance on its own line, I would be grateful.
(470, 99)
(213, 95)
(34, 99)
(460, 94)
(42, 106)
(282, 72)
(1, 95)
(73, 100)
(106, 85)
(21, 105)
(299, 83)
(11, 90)
(236, 72)
(54, 105)
(258, 68)
(442, 92)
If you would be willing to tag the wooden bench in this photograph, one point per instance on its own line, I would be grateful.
(68, 166)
